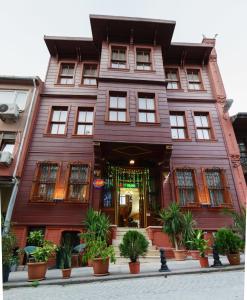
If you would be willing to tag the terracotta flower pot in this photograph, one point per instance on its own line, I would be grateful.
(66, 273)
(90, 263)
(36, 271)
(234, 259)
(204, 262)
(100, 267)
(180, 254)
(134, 267)
(195, 254)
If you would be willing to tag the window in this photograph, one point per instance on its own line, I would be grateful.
(58, 120)
(146, 108)
(84, 125)
(172, 76)
(143, 59)
(215, 185)
(66, 74)
(194, 79)
(243, 155)
(178, 125)
(203, 129)
(7, 141)
(45, 181)
(89, 74)
(78, 183)
(118, 107)
(185, 186)
(19, 97)
(118, 57)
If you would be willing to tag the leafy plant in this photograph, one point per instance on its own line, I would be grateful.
(42, 254)
(173, 223)
(199, 243)
(227, 242)
(239, 219)
(35, 283)
(36, 238)
(99, 249)
(188, 228)
(134, 245)
(8, 245)
(65, 255)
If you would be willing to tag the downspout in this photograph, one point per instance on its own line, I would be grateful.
(16, 180)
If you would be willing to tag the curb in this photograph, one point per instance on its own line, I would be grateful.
(91, 279)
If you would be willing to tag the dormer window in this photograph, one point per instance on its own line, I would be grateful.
(67, 73)
(118, 57)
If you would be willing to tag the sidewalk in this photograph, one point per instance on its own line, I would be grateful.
(85, 274)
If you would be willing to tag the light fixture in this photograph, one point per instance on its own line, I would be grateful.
(132, 162)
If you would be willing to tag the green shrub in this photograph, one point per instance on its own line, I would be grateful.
(199, 243)
(134, 245)
(99, 249)
(36, 238)
(42, 254)
(227, 242)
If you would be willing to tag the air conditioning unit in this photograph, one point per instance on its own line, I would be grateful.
(5, 158)
(9, 112)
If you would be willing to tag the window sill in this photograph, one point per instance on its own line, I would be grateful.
(119, 69)
(88, 85)
(205, 141)
(55, 135)
(175, 90)
(62, 84)
(82, 135)
(203, 90)
(182, 140)
(145, 71)
(157, 124)
(117, 122)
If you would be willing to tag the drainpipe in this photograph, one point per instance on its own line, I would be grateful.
(16, 180)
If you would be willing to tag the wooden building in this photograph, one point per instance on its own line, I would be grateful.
(128, 122)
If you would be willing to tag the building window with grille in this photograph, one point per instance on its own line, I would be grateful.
(173, 79)
(66, 73)
(185, 187)
(89, 74)
(203, 127)
(118, 107)
(143, 59)
(58, 120)
(78, 183)
(45, 181)
(146, 108)
(194, 79)
(217, 190)
(84, 124)
(178, 125)
(119, 57)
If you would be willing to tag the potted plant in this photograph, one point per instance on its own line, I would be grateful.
(229, 243)
(201, 245)
(188, 234)
(35, 238)
(134, 245)
(65, 253)
(191, 245)
(173, 226)
(38, 268)
(8, 258)
(100, 254)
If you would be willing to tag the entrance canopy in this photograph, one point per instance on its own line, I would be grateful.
(143, 155)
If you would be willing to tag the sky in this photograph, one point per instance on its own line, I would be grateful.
(23, 24)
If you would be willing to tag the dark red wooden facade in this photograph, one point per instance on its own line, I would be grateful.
(150, 145)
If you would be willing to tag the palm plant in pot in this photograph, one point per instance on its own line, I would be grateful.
(38, 268)
(229, 243)
(65, 253)
(173, 226)
(201, 245)
(134, 245)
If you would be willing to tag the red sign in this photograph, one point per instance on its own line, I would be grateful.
(98, 183)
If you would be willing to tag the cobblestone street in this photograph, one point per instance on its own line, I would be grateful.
(225, 285)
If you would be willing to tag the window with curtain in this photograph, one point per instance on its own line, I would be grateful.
(45, 181)
(203, 128)
(118, 57)
(118, 107)
(173, 79)
(146, 108)
(194, 79)
(66, 73)
(178, 125)
(78, 183)
(143, 59)
(58, 120)
(89, 74)
(215, 186)
(185, 186)
(84, 125)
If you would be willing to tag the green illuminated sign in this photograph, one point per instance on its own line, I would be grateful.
(129, 185)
